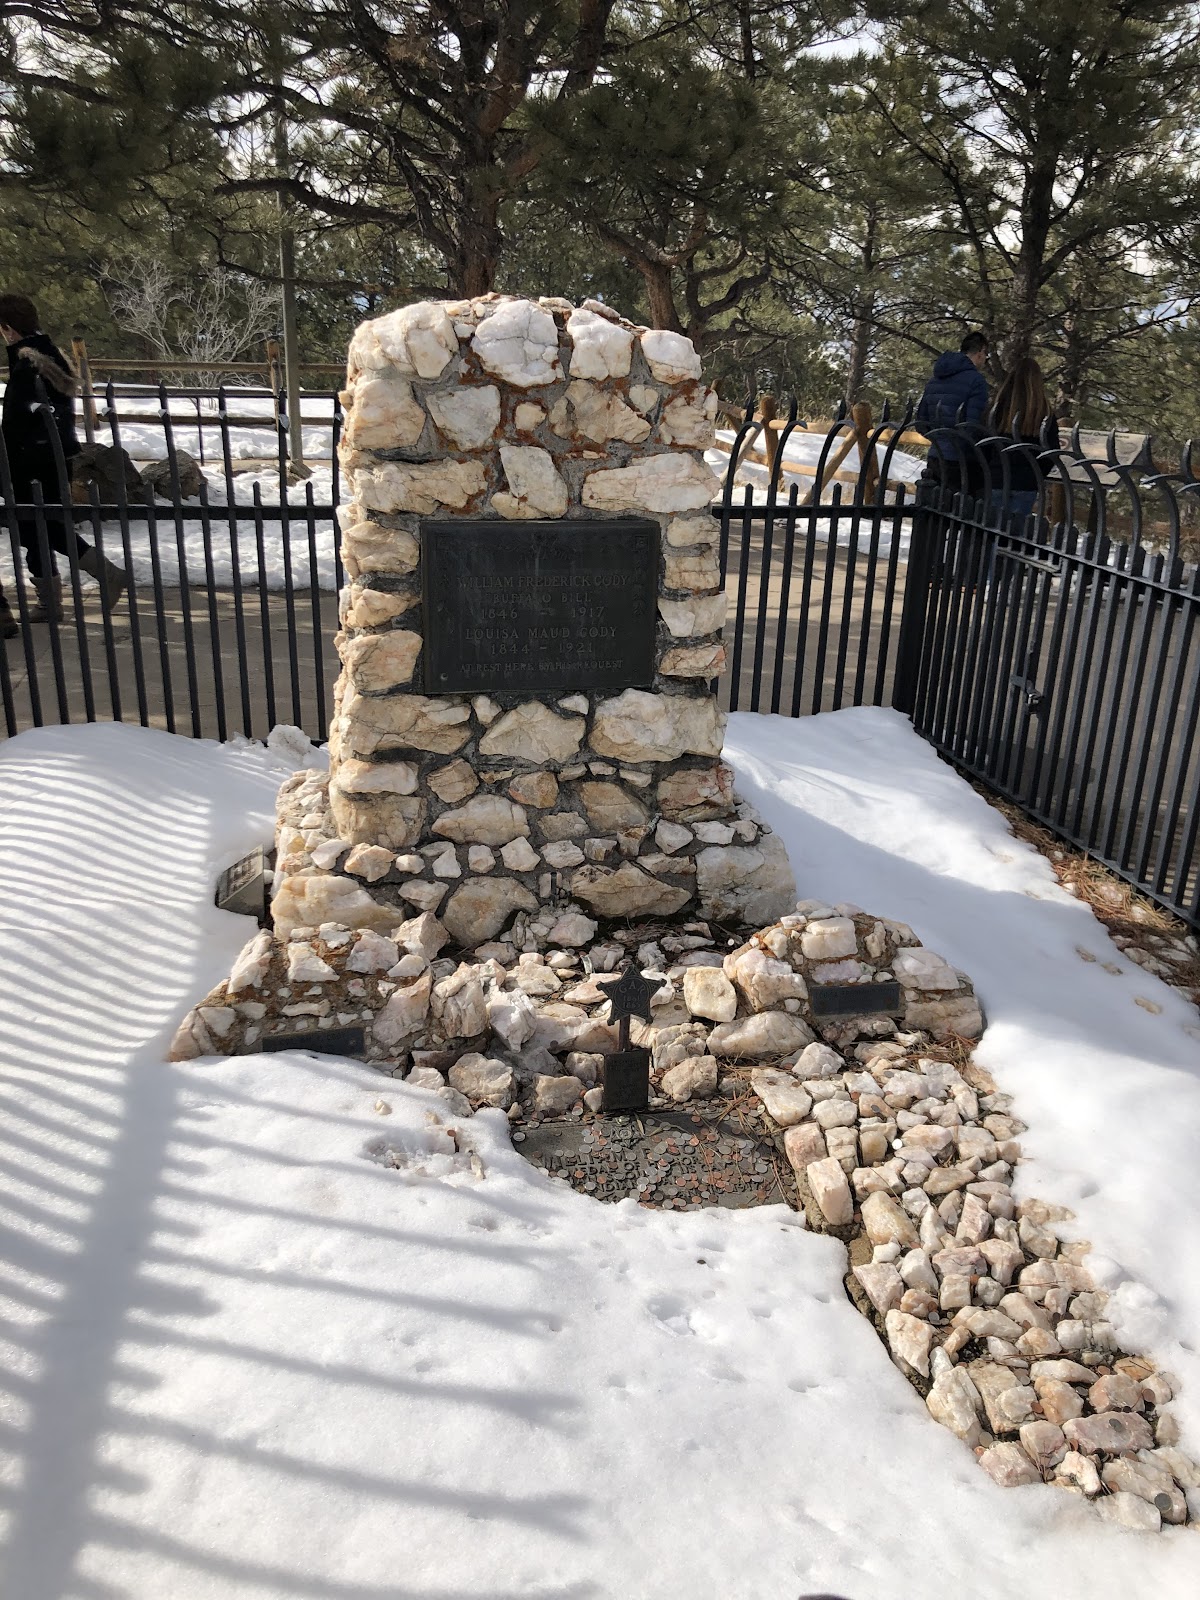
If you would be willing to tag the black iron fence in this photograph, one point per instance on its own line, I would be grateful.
(1063, 670)
(232, 570)
(1045, 639)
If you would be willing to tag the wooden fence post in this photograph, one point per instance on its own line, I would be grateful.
(868, 466)
(767, 408)
(273, 364)
(80, 355)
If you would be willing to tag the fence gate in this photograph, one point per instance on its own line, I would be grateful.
(1064, 671)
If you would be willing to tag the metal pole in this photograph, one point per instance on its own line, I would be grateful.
(287, 274)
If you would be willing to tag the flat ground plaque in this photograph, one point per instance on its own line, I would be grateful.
(325, 1041)
(242, 888)
(539, 605)
(856, 999)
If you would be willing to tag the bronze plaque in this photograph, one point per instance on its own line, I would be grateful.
(322, 1041)
(625, 1081)
(856, 999)
(516, 606)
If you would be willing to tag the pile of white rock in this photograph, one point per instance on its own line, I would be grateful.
(749, 1003)
(900, 1145)
(984, 1300)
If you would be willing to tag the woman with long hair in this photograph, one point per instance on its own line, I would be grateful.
(1020, 411)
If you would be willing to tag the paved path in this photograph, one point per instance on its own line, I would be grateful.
(136, 666)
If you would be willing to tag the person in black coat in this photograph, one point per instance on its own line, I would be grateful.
(39, 375)
(956, 396)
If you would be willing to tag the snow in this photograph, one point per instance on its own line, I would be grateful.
(254, 456)
(803, 448)
(267, 1342)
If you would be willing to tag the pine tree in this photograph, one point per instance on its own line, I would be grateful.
(1053, 131)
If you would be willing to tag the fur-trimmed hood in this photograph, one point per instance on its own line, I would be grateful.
(50, 365)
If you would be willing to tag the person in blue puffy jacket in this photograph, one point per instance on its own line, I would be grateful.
(956, 396)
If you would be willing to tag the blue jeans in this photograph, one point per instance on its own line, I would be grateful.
(1020, 502)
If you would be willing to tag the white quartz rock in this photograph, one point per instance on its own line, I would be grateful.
(384, 414)
(767, 1035)
(784, 1096)
(307, 899)
(421, 936)
(376, 777)
(372, 953)
(881, 1283)
(750, 884)
(921, 969)
(532, 732)
(690, 422)
(417, 486)
(552, 1093)
(828, 939)
(252, 964)
(482, 1078)
(419, 341)
(671, 357)
(640, 726)
(698, 614)
(513, 1017)
(708, 993)
(1129, 1511)
(403, 1015)
(693, 1078)
(468, 417)
(571, 930)
(954, 1402)
(677, 481)
(765, 981)
(909, 1339)
(479, 909)
(535, 488)
(458, 1004)
(831, 1191)
(586, 412)
(486, 819)
(600, 349)
(518, 342)
(377, 662)
(519, 855)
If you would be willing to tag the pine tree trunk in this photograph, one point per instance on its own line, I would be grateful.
(660, 294)
(477, 240)
(862, 328)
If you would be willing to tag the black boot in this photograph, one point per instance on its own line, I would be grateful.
(9, 626)
(49, 600)
(111, 578)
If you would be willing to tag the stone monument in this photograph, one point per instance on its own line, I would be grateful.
(526, 739)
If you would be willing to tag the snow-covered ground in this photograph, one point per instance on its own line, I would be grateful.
(245, 1359)
(254, 459)
(804, 449)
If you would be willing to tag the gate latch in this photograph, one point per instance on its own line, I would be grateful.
(1033, 695)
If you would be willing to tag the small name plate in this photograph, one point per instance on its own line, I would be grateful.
(322, 1041)
(625, 1081)
(856, 999)
(539, 605)
(242, 888)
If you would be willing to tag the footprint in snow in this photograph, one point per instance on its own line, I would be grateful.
(671, 1315)
(1147, 1005)
(1084, 955)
